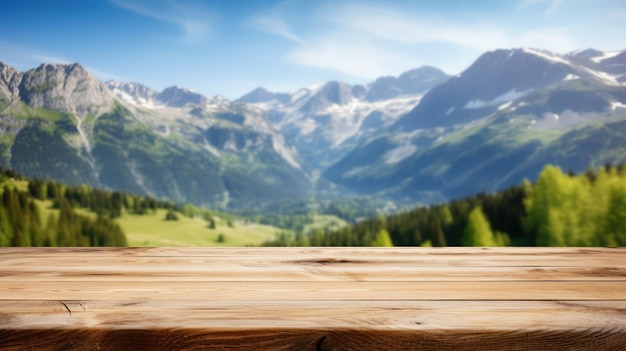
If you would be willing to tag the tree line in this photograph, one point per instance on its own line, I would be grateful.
(559, 209)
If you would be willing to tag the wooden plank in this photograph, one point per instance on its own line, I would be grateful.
(312, 264)
(315, 290)
(263, 324)
(436, 255)
(310, 339)
(280, 271)
(313, 299)
(373, 314)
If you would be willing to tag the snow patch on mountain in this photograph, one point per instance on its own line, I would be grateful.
(217, 104)
(338, 122)
(606, 55)
(547, 56)
(134, 94)
(307, 126)
(616, 104)
(604, 77)
(506, 97)
(303, 93)
(139, 102)
(355, 113)
(400, 153)
(505, 106)
(208, 147)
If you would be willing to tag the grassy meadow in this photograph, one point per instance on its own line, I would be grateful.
(153, 230)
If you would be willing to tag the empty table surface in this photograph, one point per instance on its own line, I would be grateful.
(313, 298)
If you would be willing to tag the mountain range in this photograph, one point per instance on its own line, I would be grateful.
(423, 136)
(498, 122)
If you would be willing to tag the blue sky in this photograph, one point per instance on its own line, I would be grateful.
(230, 47)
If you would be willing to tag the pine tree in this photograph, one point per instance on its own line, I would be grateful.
(36, 188)
(382, 239)
(6, 232)
(50, 231)
(437, 237)
(171, 215)
(478, 232)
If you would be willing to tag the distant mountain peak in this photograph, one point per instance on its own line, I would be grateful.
(64, 87)
(420, 72)
(495, 78)
(321, 96)
(10, 79)
(69, 68)
(585, 53)
(546, 55)
(176, 96)
(412, 82)
(259, 94)
(263, 95)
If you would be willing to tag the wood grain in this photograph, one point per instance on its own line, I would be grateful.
(313, 299)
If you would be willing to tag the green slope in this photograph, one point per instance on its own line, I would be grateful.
(154, 230)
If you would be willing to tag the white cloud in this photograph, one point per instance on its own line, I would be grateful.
(276, 26)
(397, 27)
(353, 56)
(368, 41)
(394, 26)
(187, 19)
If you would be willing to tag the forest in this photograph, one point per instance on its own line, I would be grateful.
(559, 209)
(21, 221)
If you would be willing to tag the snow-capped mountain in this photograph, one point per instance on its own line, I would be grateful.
(263, 95)
(496, 123)
(414, 82)
(64, 124)
(178, 97)
(609, 66)
(495, 79)
(500, 77)
(135, 93)
(192, 110)
(142, 96)
(326, 120)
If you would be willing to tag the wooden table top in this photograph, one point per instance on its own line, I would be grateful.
(313, 299)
